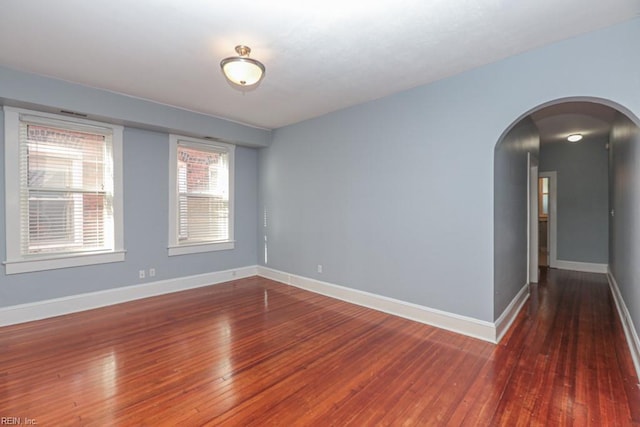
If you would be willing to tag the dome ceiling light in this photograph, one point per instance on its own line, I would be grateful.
(574, 137)
(241, 70)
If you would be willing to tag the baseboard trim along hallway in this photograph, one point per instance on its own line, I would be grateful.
(510, 313)
(627, 323)
(585, 267)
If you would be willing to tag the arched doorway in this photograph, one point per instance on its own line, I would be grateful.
(617, 212)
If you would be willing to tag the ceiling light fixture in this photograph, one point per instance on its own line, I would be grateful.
(241, 70)
(574, 137)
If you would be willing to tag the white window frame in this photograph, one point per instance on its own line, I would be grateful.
(174, 247)
(16, 262)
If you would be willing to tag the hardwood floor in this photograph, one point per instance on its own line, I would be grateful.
(255, 352)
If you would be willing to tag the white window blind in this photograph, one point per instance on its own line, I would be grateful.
(201, 197)
(66, 188)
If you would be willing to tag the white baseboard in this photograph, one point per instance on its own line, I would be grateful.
(510, 313)
(586, 267)
(487, 331)
(75, 303)
(627, 323)
(453, 322)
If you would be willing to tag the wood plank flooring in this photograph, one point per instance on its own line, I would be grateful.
(255, 352)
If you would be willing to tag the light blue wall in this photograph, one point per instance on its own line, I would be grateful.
(624, 256)
(582, 198)
(146, 181)
(395, 196)
(33, 91)
(511, 181)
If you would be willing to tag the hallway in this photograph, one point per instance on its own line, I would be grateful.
(574, 364)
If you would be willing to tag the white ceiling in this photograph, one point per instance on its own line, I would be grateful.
(321, 55)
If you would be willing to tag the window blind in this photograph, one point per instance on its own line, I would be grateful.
(203, 194)
(66, 187)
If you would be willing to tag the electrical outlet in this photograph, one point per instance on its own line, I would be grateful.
(141, 274)
(319, 268)
(152, 272)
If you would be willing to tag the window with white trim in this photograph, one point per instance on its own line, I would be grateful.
(63, 179)
(201, 195)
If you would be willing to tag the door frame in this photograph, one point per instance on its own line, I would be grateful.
(553, 216)
(532, 218)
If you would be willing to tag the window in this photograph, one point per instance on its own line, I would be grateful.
(543, 197)
(64, 192)
(201, 196)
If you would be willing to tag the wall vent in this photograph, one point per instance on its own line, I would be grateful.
(73, 113)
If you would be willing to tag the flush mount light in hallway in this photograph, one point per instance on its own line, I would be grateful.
(241, 70)
(574, 137)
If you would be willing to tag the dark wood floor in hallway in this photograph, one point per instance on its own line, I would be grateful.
(255, 352)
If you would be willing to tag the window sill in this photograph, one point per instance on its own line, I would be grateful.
(199, 248)
(62, 261)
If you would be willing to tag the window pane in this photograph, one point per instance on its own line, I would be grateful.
(49, 171)
(65, 221)
(545, 204)
(545, 185)
(205, 171)
(207, 218)
(66, 195)
(203, 195)
(93, 220)
(59, 158)
(51, 217)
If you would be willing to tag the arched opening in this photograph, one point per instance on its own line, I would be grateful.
(594, 207)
